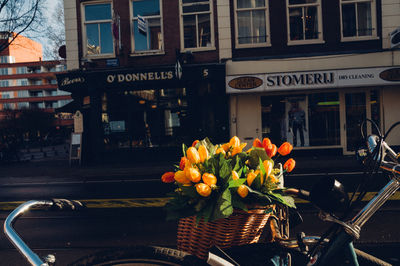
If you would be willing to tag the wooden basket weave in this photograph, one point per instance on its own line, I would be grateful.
(240, 228)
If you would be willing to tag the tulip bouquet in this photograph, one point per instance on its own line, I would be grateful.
(213, 180)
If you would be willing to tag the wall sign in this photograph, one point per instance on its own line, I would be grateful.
(245, 83)
(313, 80)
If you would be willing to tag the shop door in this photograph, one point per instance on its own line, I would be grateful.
(355, 114)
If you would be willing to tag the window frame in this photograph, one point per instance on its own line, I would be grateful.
(320, 38)
(374, 34)
(131, 27)
(267, 26)
(212, 29)
(84, 23)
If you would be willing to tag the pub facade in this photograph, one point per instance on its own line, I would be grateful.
(144, 79)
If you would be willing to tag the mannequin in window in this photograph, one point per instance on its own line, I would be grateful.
(297, 122)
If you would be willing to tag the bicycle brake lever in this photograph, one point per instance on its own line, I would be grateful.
(65, 204)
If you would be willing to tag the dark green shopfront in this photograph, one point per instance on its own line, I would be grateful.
(132, 114)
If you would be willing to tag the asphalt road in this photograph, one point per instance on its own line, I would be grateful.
(127, 211)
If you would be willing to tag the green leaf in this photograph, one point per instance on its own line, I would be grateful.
(236, 183)
(189, 191)
(211, 148)
(206, 213)
(225, 170)
(286, 200)
(184, 149)
(223, 207)
(255, 155)
(237, 203)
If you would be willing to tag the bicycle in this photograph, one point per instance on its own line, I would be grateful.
(329, 196)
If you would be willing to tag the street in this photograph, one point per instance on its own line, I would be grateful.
(124, 210)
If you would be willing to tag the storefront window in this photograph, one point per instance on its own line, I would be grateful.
(146, 118)
(324, 119)
(297, 119)
(375, 110)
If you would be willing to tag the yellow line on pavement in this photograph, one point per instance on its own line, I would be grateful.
(146, 202)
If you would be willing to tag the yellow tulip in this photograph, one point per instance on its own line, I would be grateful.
(203, 153)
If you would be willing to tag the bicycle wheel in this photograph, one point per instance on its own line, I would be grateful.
(140, 255)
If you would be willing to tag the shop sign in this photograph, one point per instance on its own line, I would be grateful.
(71, 80)
(314, 79)
(245, 83)
(140, 76)
(392, 74)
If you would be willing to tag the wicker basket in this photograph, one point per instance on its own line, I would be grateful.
(238, 229)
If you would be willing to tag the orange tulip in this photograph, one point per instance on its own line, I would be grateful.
(234, 142)
(289, 165)
(238, 149)
(168, 177)
(182, 163)
(180, 177)
(271, 150)
(209, 179)
(266, 143)
(220, 150)
(193, 155)
(195, 143)
(193, 174)
(257, 143)
(203, 153)
(243, 191)
(235, 175)
(203, 189)
(268, 165)
(285, 148)
(250, 177)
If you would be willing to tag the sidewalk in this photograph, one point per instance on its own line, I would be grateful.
(60, 169)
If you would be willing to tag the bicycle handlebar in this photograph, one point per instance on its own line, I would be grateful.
(16, 240)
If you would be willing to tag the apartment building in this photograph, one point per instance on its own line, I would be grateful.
(27, 82)
(310, 71)
(145, 75)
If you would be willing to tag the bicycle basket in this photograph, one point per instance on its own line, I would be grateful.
(240, 228)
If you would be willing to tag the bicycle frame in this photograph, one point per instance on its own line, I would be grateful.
(351, 229)
(16, 240)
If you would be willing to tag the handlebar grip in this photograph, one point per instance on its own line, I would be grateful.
(64, 204)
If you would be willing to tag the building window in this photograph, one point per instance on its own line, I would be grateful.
(297, 119)
(147, 25)
(98, 39)
(304, 21)
(358, 19)
(22, 105)
(252, 25)
(23, 94)
(4, 71)
(4, 83)
(22, 70)
(197, 24)
(7, 59)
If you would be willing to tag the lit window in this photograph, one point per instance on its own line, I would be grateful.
(147, 25)
(358, 20)
(304, 21)
(252, 23)
(197, 24)
(98, 37)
